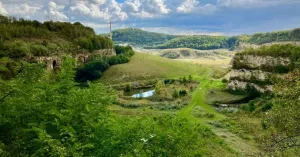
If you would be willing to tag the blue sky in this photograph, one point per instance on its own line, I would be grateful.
(213, 17)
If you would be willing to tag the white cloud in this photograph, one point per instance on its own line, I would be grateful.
(193, 6)
(146, 8)
(253, 3)
(132, 5)
(98, 9)
(54, 12)
(2, 9)
(155, 6)
(187, 6)
(23, 10)
(80, 8)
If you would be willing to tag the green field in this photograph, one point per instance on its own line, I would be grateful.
(145, 66)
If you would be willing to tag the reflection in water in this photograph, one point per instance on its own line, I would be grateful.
(144, 95)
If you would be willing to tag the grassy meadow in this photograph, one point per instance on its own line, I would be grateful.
(144, 66)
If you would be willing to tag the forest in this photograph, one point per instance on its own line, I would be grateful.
(195, 42)
(138, 37)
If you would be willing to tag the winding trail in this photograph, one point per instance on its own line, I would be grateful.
(242, 146)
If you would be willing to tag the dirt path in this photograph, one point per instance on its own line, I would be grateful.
(244, 147)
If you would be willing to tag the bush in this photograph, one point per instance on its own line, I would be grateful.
(39, 50)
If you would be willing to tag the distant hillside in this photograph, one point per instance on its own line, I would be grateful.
(146, 39)
(138, 37)
(196, 42)
(278, 36)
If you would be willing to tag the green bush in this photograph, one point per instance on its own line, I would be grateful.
(39, 50)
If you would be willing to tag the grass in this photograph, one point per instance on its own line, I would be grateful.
(214, 97)
(145, 66)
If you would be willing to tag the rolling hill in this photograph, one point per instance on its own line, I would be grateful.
(145, 39)
(145, 66)
(138, 37)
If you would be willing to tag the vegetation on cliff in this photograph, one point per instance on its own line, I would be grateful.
(94, 69)
(20, 38)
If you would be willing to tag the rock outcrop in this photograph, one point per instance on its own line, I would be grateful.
(243, 45)
(255, 72)
(54, 62)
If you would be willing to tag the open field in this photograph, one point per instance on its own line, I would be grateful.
(144, 66)
(218, 57)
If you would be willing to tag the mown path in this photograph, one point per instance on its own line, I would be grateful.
(244, 147)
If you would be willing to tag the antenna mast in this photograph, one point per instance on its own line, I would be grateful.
(110, 32)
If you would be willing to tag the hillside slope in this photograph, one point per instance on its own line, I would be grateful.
(138, 37)
(145, 66)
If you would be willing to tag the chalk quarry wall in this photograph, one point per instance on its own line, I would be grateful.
(255, 71)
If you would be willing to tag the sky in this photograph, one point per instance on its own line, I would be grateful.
(191, 17)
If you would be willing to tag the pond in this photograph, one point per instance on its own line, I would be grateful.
(144, 94)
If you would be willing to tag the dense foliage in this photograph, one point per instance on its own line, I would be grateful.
(19, 38)
(277, 50)
(280, 36)
(93, 70)
(139, 37)
(283, 120)
(196, 42)
(43, 114)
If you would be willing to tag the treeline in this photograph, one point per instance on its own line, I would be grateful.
(279, 36)
(139, 37)
(146, 39)
(94, 69)
(20, 37)
(196, 42)
(277, 50)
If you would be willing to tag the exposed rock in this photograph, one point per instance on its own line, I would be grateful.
(236, 85)
(249, 75)
(255, 62)
(255, 71)
(54, 62)
(242, 45)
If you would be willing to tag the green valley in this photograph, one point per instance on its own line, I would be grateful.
(67, 91)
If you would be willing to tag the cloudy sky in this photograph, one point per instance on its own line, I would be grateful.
(226, 17)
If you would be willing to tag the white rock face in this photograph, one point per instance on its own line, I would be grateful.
(244, 74)
(255, 62)
(240, 79)
(240, 85)
(243, 45)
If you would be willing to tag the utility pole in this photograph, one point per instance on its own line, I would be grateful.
(110, 32)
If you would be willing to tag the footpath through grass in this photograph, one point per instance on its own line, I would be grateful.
(244, 147)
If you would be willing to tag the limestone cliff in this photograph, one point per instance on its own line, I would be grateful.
(243, 45)
(256, 72)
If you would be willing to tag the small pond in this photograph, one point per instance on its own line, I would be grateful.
(141, 93)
